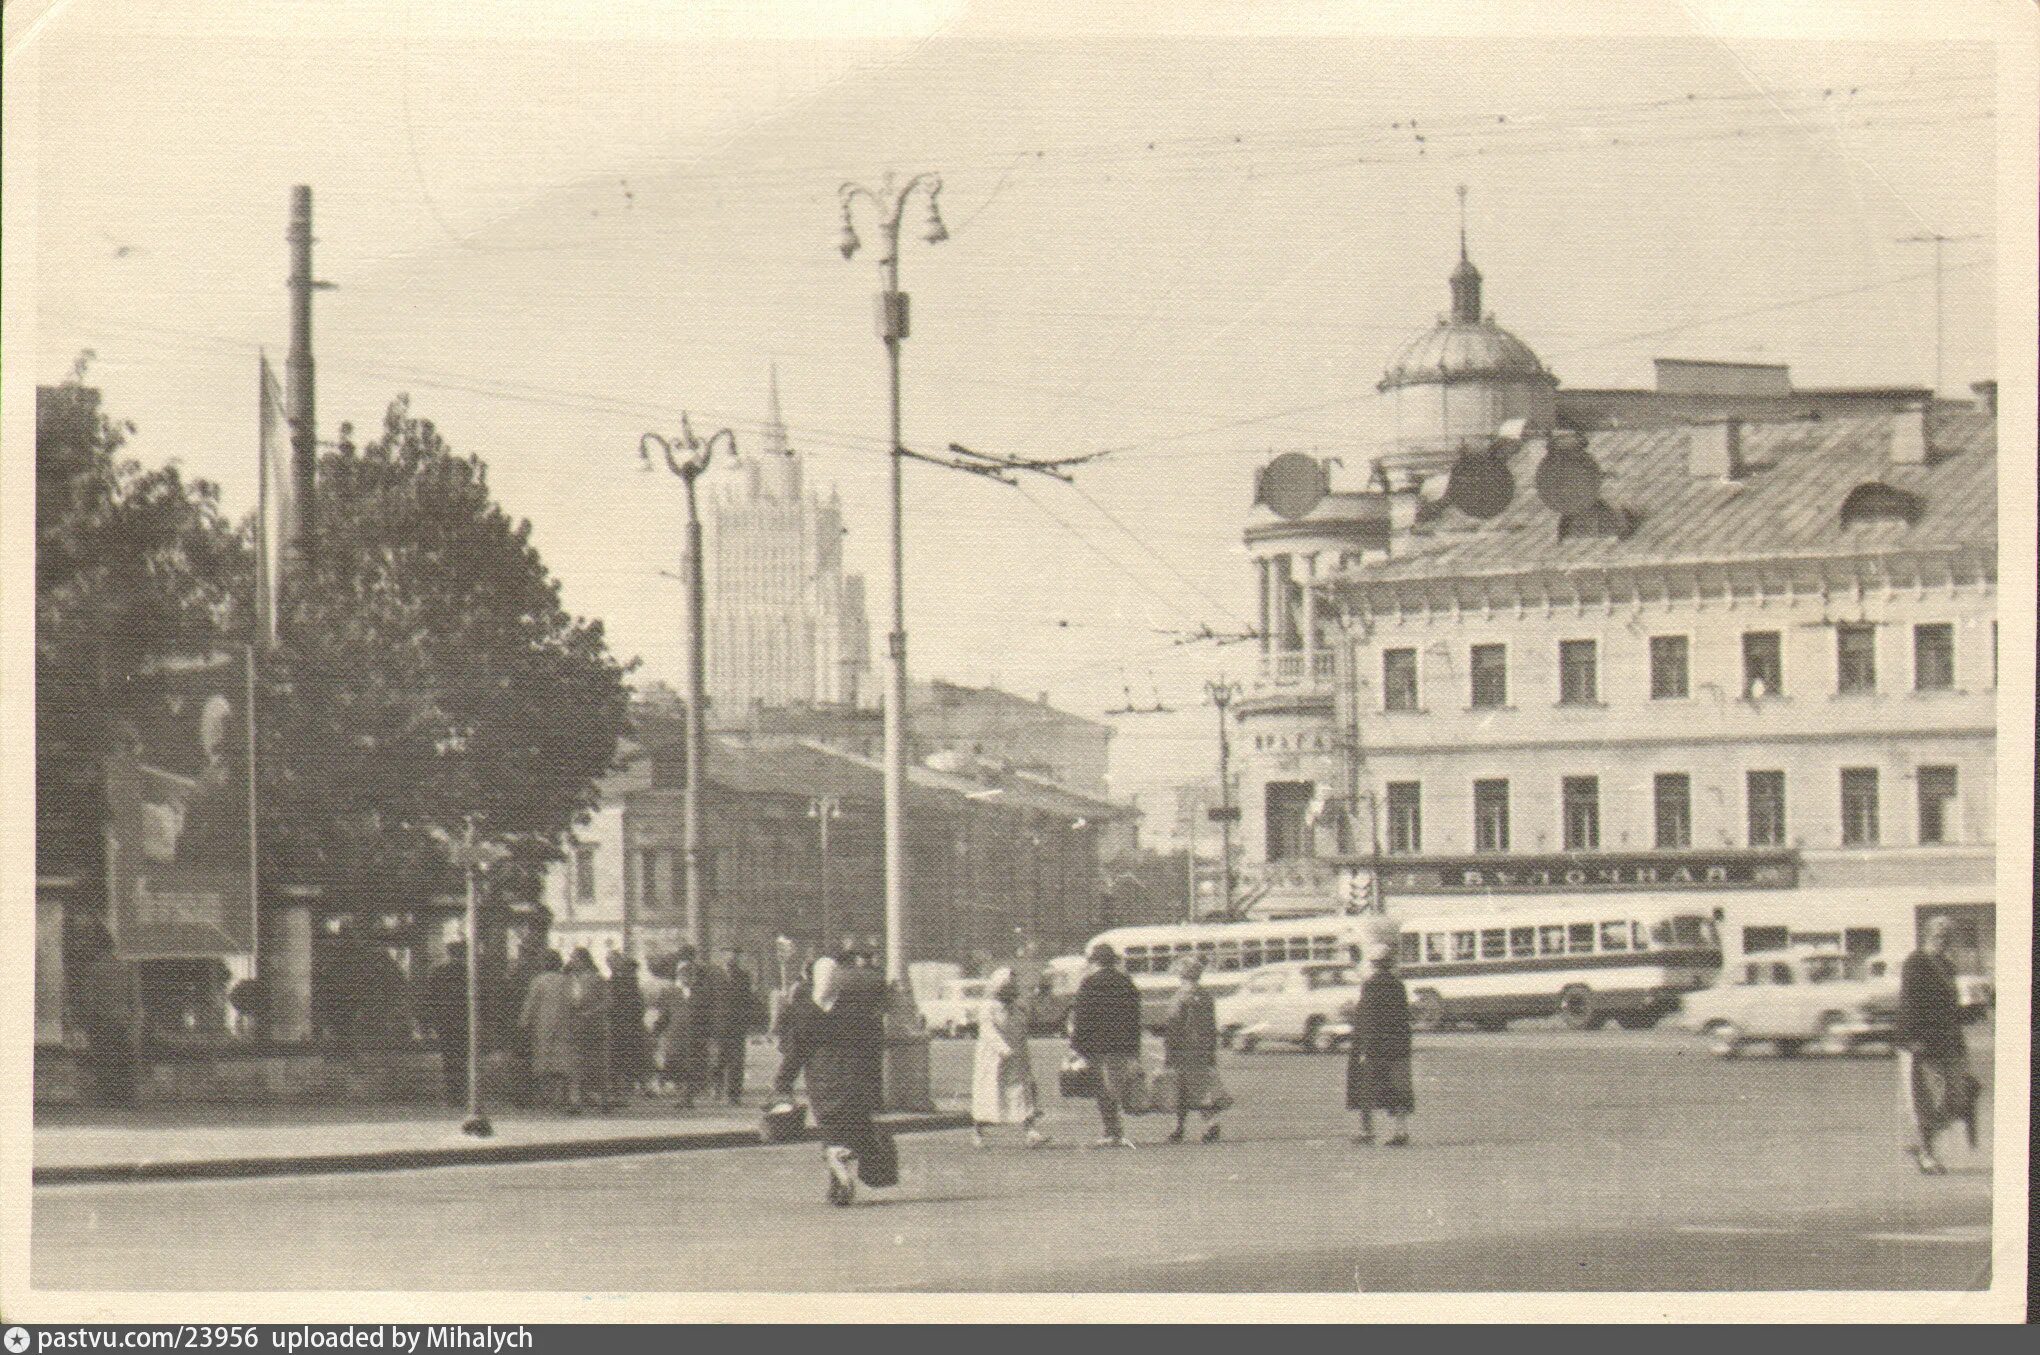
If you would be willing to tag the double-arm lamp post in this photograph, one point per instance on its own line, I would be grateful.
(891, 206)
(689, 460)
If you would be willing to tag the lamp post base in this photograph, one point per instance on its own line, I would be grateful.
(477, 1127)
(906, 1072)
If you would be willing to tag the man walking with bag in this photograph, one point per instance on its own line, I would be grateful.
(1936, 1086)
(1105, 1033)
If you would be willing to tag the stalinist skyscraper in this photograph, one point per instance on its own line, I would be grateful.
(785, 623)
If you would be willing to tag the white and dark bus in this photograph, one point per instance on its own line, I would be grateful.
(1231, 951)
(1586, 961)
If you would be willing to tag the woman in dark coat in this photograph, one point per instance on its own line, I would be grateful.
(1378, 1064)
(588, 1028)
(836, 1040)
(629, 1060)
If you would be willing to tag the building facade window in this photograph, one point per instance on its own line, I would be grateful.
(1765, 792)
(1937, 805)
(1855, 658)
(1491, 816)
(1859, 806)
(1581, 800)
(584, 874)
(1489, 665)
(1763, 664)
(1287, 818)
(1668, 665)
(1672, 795)
(1405, 818)
(1933, 657)
(1578, 673)
(1399, 679)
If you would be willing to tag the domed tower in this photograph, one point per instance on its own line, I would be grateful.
(1454, 385)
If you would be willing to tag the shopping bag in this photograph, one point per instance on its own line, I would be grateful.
(879, 1163)
(1078, 1079)
(782, 1123)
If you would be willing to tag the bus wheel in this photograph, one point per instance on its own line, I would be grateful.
(1427, 1011)
(1247, 1042)
(1576, 1008)
(1313, 1040)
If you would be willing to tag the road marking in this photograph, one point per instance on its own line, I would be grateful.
(1733, 1229)
(1966, 1233)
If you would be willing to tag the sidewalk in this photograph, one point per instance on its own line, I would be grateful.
(75, 1147)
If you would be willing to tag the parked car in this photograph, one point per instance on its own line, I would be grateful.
(1795, 998)
(1301, 1003)
(954, 1008)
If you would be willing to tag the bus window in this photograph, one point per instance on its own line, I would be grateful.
(1661, 933)
(1324, 948)
(1434, 947)
(1408, 948)
(1494, 944)
(1205, 949)
(1580, 938)
(1551, 940)
(1636, 936)
(1185, 947)
(1522, 941)
(1250, 955)
(1462, 945)
(1690, 931)
(1614, 936)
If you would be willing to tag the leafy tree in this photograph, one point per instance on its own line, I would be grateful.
(131, 564)
(428, 672)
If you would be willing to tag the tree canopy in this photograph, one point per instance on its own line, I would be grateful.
(427, 670)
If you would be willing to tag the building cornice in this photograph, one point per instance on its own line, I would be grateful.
(1734, 581)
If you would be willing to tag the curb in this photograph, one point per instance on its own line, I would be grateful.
(466, 1155)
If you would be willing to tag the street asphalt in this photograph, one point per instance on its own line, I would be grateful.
(1543, 1160)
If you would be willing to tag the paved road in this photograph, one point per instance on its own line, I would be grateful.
(1543, 1161)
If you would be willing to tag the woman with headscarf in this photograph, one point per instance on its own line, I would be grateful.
(588, 1024)
(1190, 1056)
(1002, 1078)
(836, 1040)
(1378, 1063)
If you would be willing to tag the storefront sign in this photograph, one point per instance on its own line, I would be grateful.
(1641, 870)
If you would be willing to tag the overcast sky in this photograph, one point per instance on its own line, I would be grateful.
(1169, 234)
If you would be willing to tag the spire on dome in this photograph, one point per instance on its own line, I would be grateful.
(1465, 278)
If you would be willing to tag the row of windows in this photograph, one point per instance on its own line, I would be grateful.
(1563, 938)
(1579, 676)
(1230, 953)
(1672, 810)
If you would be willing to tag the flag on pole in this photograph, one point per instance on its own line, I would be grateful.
(276, 519)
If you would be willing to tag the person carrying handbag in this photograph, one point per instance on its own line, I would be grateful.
(1105, 1033)
(1378, 1063)
(1189, 1076)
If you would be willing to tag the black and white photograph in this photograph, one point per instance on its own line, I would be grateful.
(1119, 662)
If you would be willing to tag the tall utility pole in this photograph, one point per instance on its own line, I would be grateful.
(298, 377)
(823, 809)
(699, 453)
(891, 206)
(1940, 243)
(1222, 695)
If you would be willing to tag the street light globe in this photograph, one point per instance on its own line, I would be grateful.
(848, 244)
(937, 232)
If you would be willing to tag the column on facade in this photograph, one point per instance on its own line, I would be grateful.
(1266, 576)
(1309, 614)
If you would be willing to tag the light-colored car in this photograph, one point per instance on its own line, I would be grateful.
(953, 1010)
(1302, 1003)
(1795, 998)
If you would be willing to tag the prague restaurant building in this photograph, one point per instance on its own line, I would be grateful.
(1756, 664)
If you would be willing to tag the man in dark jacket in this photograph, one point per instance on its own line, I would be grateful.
(1933, 1059)
(1105, 1033)
(446, 1011)
(834, 1037)
(735, 1004)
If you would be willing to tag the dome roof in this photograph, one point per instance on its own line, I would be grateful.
(1460, 350)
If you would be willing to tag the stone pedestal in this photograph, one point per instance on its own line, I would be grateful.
(285, 967)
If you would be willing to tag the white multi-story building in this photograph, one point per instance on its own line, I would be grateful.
(1758, 663)
(785, 624)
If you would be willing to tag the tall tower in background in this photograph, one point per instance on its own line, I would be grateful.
(786, 624)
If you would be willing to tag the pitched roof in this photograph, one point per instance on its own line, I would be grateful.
(1788, 505)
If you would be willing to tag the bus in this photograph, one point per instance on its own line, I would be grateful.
(1231, 951)
(1585, 961)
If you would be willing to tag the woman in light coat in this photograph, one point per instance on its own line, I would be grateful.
(544, 1018)
(1002, 1079)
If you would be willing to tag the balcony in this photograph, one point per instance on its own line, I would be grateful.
(1297, 667)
